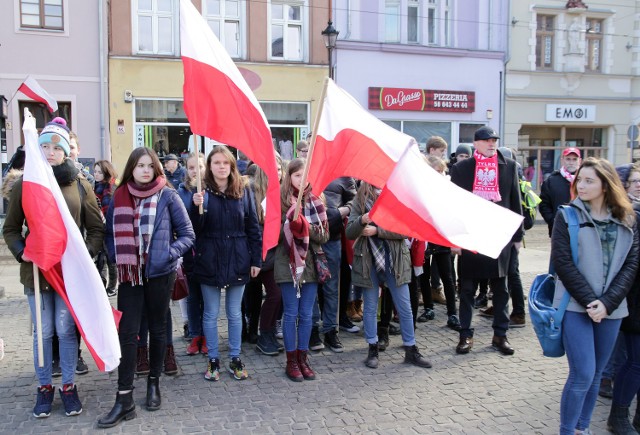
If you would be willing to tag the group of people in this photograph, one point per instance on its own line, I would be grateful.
(330, 256)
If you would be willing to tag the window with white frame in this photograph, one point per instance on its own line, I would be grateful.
(413, 21)
(545, 32)
(595, 30)
(288, 29)
(432, 22)
(392, 21)
(155, 27)
(42, 14)
(225, 17)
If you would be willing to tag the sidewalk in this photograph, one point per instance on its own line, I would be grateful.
(479, 393)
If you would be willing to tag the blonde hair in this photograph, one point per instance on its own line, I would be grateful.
(188, 181)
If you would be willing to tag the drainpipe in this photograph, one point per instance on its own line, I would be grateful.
(105, 150)
(503, 76)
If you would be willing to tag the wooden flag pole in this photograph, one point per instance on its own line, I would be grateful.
(196, 147)
(36, 288)
(316, 122)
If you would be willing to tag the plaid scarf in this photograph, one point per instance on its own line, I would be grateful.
(379, 247)
(133, 221)
(485, 181)
(315, 214)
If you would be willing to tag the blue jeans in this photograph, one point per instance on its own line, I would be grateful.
(627, 383)
(588, 346)
(618, 357)
(400, 296)
(195, 307)
(297, 310)
(57, 318)
(233, 307)
(333, 251)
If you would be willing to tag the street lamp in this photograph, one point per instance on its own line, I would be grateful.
(329, 36)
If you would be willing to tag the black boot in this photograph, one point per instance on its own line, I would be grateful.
(383, 338)
(153, 394)
(124, 408)
(618, 421)
(412, 356)
(372, 358)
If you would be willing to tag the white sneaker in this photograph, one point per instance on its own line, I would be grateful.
(279, 329)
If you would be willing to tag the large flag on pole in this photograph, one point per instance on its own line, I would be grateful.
(32, 89)
(220, 105)
(352, 142)
(56, 246)
(418, 202)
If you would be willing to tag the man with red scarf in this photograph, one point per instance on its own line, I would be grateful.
(554, 192)
(493, 177)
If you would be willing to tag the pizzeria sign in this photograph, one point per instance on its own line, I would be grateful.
(422, 100)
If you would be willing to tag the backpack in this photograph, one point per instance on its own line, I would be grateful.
(530, 201)
(547, 320)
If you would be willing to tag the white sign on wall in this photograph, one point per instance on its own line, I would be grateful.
(571, 113)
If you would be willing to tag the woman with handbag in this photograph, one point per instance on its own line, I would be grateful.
(227, 253)
(147, 231)
(598, 284)
(381, 257)
(295, 267)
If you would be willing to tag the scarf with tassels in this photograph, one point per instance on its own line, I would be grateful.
(314, 213)
(485, 182)
(134, 216)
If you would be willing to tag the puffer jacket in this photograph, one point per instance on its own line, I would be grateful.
(362, 258)
(585, 282)
(228, 239)
(172, 235)
(84, 211)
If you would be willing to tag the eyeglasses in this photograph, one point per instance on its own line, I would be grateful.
(636, 181)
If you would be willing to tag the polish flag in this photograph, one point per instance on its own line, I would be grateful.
(220, 105)
(352, 142)
(419, 202)
(56, 246)
(32, 89)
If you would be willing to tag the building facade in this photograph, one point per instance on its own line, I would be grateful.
(572, 80)
(277, 46)
(432, 67)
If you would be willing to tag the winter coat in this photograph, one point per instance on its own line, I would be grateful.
(585, 282)
(228, 239)
(631, 323)
(554, 192)
(104, 193)
(339, 193)
(478, 266)
(362, 258)
(188, 259)
(177, 177)
(172, 235)
(84, 210)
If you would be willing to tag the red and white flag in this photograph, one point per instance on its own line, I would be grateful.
(419, 202)
(56, 246)
(32, 89)
(352, 142)
(220, 105)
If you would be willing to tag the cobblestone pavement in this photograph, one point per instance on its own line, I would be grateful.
(479, 393)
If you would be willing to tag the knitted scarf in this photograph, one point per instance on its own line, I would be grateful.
(485, 181)
(567, 175)
(133, 221)
(379, 247)
(314, 212)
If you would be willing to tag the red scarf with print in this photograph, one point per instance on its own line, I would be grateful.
(485, 181)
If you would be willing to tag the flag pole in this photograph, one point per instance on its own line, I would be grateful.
(196, 147)
(316, 122)
(36, 288)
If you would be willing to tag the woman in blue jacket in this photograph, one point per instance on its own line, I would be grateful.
(147, 231)
(228, 252)
(598, 284)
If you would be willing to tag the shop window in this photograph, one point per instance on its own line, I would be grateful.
(163, 126)
(593, 60)
(288, 30)
(466, 132)
(225, 17)
(42, 14)
(413, 20)
(155, 27)
(544, 41)
(289, 124)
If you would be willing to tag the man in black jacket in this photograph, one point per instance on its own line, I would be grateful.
(555, 189)
(489, 175)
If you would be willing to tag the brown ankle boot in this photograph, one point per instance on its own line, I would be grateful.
(305, 368)
(142, 363)
(358, 307)
(170, 365)
(293, 369)
(351, 310)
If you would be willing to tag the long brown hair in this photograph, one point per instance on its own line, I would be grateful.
(615, 196)
(108, 170)
(235, 185)
(286, 190)
(136, 154)
(365, 191)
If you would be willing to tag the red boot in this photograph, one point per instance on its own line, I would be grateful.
(194, 346)
(203, 348)
(293, 369)
(305, 368)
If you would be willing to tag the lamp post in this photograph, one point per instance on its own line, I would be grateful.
(329, 36)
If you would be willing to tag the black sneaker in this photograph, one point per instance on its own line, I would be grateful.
(346, 325)
(453, 322)
(428, 314)
(56, 371)
(393, 329)
(332, 341)
(111, 292)
(81, 367)
(314, 341)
